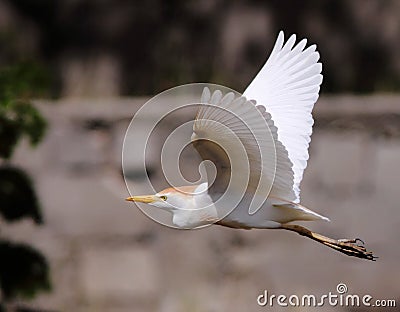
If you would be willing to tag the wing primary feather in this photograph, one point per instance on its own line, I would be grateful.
(287, 87)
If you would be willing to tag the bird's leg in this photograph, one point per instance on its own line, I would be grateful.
(350, 247)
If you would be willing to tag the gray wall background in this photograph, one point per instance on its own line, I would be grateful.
(106, 255)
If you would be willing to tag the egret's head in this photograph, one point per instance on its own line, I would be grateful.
(190, 206)
(169, 199)
(157, 200)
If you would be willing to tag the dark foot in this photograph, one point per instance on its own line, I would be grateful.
(352, 247)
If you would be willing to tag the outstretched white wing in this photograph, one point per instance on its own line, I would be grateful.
(247, 134)
(287, 86)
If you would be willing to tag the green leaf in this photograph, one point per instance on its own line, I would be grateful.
(30, 121)
(18, 117)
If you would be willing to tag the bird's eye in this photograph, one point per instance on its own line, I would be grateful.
(163, 197)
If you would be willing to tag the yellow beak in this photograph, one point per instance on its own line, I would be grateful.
(143, 199)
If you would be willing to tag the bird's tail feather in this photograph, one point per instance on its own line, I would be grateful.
(297, 212)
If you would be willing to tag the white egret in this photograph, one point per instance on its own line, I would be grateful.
(284, 93)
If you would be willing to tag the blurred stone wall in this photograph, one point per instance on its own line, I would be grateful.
(118, 47)
(106, 255)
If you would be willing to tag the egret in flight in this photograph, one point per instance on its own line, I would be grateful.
(283, 93)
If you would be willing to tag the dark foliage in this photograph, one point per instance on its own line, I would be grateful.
(17, 197)
(17, 116)
(23, 270)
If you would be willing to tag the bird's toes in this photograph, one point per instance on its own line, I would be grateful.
(358, 241)
(356, 248)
